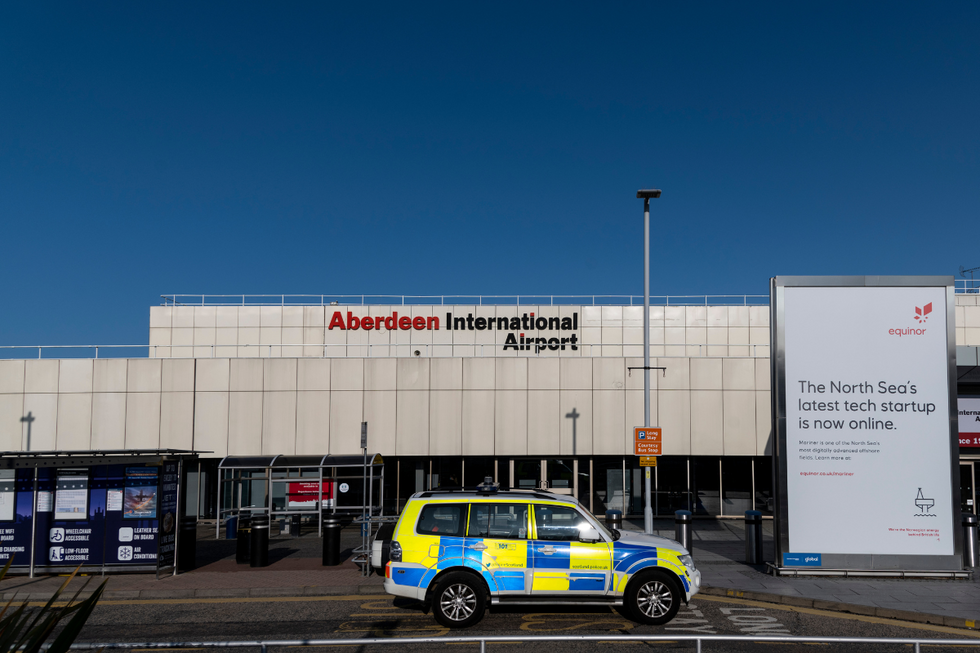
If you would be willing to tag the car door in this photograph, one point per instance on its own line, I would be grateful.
(497, 538)
(562, 563)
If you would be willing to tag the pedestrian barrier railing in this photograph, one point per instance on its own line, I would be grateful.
(376, 350)
(404, 642)
(462, 300)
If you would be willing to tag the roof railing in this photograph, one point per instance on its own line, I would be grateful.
(461, 300)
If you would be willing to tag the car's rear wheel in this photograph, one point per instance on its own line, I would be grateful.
(459, 600)
(653, 597)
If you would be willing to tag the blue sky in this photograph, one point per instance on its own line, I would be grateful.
(463, 148)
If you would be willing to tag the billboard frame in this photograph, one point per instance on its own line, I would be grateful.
(867, 563)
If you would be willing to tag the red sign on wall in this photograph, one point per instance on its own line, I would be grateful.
(303, 494)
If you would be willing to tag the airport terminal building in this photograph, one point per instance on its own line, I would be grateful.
(533, 392)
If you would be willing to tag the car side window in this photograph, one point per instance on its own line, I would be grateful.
(558, 523)
(442, 519)
(498, 521)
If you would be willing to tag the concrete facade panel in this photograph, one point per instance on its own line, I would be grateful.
(346, 415)
(707, 422)
(75, 375)
(245, 422)
(347, 374)
(312, 422)
(142, 419)
(510, 423)
(740, 427)
(412, 429)
(313, 374)
(510, 373)
(12, 377)
(674, 409)
(412, 374)
(177, 375)
(543, 373)
(446, 374)
(446, 422)
(279, 422)
(279, 375)
(576, 421)
(380, 409)
(739, 374)
(41, 376)
(478, 373)
(177, 420)
(543, 421)
(246, 375)
(74, 421)
(144, 375)
(609, 422)
(109, 375)
(211, 422)
(478, 422)
(109, 420)
(12, 430)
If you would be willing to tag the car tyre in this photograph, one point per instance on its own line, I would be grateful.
(459, 600)
(653, 597)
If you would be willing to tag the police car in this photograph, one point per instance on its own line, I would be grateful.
(456, 550)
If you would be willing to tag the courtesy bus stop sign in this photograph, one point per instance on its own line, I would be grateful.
(647, 441)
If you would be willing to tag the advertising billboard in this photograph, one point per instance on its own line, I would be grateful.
(969, 419)
(864, 408)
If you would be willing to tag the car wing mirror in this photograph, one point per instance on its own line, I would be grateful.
(589, 534)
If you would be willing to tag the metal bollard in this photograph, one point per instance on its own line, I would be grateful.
(753, 537)
(244, 534)
(331, 541)
(259, 553)
(187, 553)
(970, 552)
(683, 522)
(614, 519)
(294, 527)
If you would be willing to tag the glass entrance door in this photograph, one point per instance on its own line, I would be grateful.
(968, 487)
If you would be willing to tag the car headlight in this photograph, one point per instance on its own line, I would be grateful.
(395, 552)
(687, 561)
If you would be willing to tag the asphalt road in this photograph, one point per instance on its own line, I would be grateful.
(384, 616)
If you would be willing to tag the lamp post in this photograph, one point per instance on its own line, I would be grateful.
(645, 195)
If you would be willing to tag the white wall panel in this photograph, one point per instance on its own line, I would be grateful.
(759, 316)
(109, 420)
(177, 420)
(510, 373)
(109, 375)
(380, 409)
(246, 375)
(543, 373)
(579, 401)
(413, 422)
(346, 412)
(510, 422)
(161, 316)
(446, 373)
(717, 316)
(707, 422)
(183, 316)
(177, 375)
(312, 422)
(41, 376)
(677, 376)
(609, 374)
(226, 316)
(634, 414)
(213, 375)
(739, 374)
(763, 424)
(543, 421)
(144, 375)
(446, 423)
(609, 422)
(313, 374)
(347, 374)
(142, 419)
(478, 373)
(44, 409)
(413, 373)
(478, 422)
(279, 374)
(740, 427)
(575, 373)
(205, 316)
(74, 421)
(738, 316)
(75, 375)
(245, 423)
(11, 376)
(292, 316)
(11, 428)
(248, 316)
(674, 408)
(762, 378)
(279, 422)
(706, 373)
(270, 316)
(211, 423)
(591, 316)
(380, 374)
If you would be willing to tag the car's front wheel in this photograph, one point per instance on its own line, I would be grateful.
(653, 597)
(459, 600)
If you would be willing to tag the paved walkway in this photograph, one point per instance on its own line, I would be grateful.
(719, 549)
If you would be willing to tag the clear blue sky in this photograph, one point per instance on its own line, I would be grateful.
(463, 148)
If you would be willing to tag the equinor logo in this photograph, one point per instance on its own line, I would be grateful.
(922, 314)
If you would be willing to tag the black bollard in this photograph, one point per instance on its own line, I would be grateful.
(187, 553)
(683, 522)
(753, 537)
(970, 540)
(614, 519)
(331, 541)
(259, 554)
(244, 535)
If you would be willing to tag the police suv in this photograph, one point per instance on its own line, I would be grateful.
(456, 550)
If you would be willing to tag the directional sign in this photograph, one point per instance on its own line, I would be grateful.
(647, 441)
(648, 461)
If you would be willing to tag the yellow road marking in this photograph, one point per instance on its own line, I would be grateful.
(840, 615)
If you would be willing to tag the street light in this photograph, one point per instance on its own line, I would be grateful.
(646, 195)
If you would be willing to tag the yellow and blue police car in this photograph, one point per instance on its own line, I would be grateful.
(457, 550)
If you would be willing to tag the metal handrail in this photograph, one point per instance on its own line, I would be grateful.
(264, 645)
(432, 350)
(196, 299)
